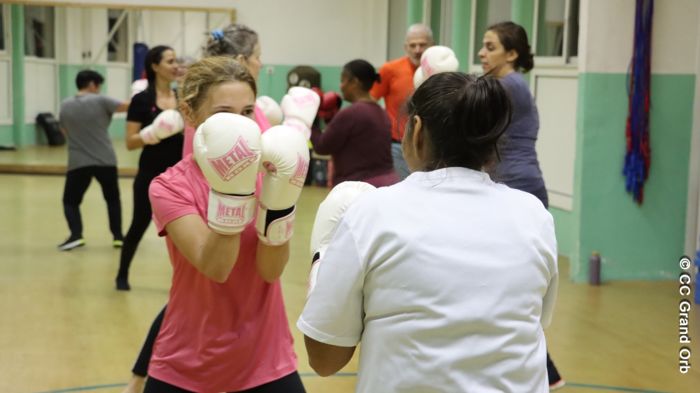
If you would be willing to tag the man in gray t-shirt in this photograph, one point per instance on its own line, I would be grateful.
(84, 118)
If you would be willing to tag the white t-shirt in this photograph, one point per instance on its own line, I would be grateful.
(447, 278)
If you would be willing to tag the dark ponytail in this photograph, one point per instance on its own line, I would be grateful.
(154, 56)
(363, 71)
(514, 37)
(463, 117)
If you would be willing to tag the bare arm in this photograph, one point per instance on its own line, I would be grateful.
(123, 107)
(212, 254)
(327, 359)
(133, 140)
(271, 260)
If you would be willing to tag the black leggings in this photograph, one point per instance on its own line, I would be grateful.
(287, 384)
(77, 183)
(141, 366)
(139, 222)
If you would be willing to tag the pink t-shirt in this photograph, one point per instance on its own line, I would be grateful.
(215, 337)
(189, 130)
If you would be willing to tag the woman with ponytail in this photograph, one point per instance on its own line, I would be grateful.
(506, 55)
(359, 137)
(153, 125)
(446, 278)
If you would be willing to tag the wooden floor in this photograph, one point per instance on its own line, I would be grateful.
(65, 329)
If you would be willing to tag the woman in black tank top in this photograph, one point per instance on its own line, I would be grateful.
(157, 155)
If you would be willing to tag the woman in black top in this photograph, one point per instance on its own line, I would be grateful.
(157, 155)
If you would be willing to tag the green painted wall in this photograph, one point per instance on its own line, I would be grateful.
(481, 22)
(415, 12)
(6, 137)
(636, 242)
(435, 19)
(522, 12)
(566, 227)
(117, 129)
(17, 26)
(461, 30)
(274, 84)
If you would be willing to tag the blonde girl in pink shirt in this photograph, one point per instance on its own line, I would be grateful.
(225, 327)
(241, 43)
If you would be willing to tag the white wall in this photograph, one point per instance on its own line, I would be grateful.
(6, 71)
(201, 4)
(556, 97)
(40, 87)
(329, 32)
(195, 28)
(69, 28)
(609, 49)
(398, 23)
(118, 82)
(5, 91)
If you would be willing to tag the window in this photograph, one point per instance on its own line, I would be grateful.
(39, 32)
(572, 29)
(488, 13)
(557, 28)
(117, 49)
(2, 27)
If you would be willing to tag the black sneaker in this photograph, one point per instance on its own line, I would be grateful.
(71, 243)
(122, 284)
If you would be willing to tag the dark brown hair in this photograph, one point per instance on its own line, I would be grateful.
(154, 56)
(363, 71)
(514, 37)
(463, 117)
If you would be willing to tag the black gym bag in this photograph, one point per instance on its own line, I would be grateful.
(49, 124)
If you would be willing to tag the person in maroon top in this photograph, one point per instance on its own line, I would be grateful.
(359, 137)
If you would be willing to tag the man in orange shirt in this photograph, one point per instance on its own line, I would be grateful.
(396, 84)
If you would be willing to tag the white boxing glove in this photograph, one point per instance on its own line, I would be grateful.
(166, 124)
(285, 161)
(418, 78)
(271, 109)
(227, 147)
(329, 213)
(138, 86)
(434, 60)
(300, 106)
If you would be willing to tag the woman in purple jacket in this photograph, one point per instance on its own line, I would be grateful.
(506, 55)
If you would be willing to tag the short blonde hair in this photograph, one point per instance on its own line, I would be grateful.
(208, 72)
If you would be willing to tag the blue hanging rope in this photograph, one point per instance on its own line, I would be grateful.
(638, 155)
